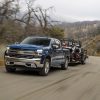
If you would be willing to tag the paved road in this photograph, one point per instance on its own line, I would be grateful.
(79, 82)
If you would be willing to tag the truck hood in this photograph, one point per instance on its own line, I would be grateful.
(25, 47)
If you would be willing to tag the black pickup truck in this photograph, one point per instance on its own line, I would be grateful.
(38, 53)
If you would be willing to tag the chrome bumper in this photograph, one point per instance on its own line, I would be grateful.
(33, 63)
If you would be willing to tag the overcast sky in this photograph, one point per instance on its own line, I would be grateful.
(73, 10)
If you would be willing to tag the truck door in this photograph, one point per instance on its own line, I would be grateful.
(58, 55)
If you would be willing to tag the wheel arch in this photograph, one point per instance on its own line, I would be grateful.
(48, 57)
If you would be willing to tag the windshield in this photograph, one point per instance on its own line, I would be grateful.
(36, 41)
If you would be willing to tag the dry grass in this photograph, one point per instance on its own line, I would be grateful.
(2, 50)
(91, 48)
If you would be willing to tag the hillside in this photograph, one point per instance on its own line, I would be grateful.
(81, 29)
(93, 46)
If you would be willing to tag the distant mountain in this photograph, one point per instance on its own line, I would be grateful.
(80, 29)
(77, 24)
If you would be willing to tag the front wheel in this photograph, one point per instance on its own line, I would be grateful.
(45, 70)
(65, 65)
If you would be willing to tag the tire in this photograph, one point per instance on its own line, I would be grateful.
(83, 60)
(10, 69)
(45, 70)
(65, 65)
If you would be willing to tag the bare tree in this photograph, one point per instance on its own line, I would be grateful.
(27, 19)
(7, 10)
(35, 17)
(42, 17)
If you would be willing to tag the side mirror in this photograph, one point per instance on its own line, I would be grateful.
(55, 46)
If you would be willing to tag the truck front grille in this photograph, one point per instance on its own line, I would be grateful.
(21, 56)
(15, 53)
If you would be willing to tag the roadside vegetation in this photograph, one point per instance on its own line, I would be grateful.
(93, 48)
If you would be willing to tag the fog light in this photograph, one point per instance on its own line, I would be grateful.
(11, 62)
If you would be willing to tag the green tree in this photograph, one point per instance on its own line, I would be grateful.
(56, 32)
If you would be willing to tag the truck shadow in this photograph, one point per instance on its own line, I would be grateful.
(18, 72)
(25, 73)
(74, 64)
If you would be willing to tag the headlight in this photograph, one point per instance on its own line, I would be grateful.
(40, 51)
(37, 54)
(7, 49)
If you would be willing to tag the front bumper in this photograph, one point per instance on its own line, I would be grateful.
(30, 63)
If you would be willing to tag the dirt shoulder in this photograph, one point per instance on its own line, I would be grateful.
(1, 62)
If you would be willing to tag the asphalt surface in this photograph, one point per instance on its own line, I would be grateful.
(79, 82)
